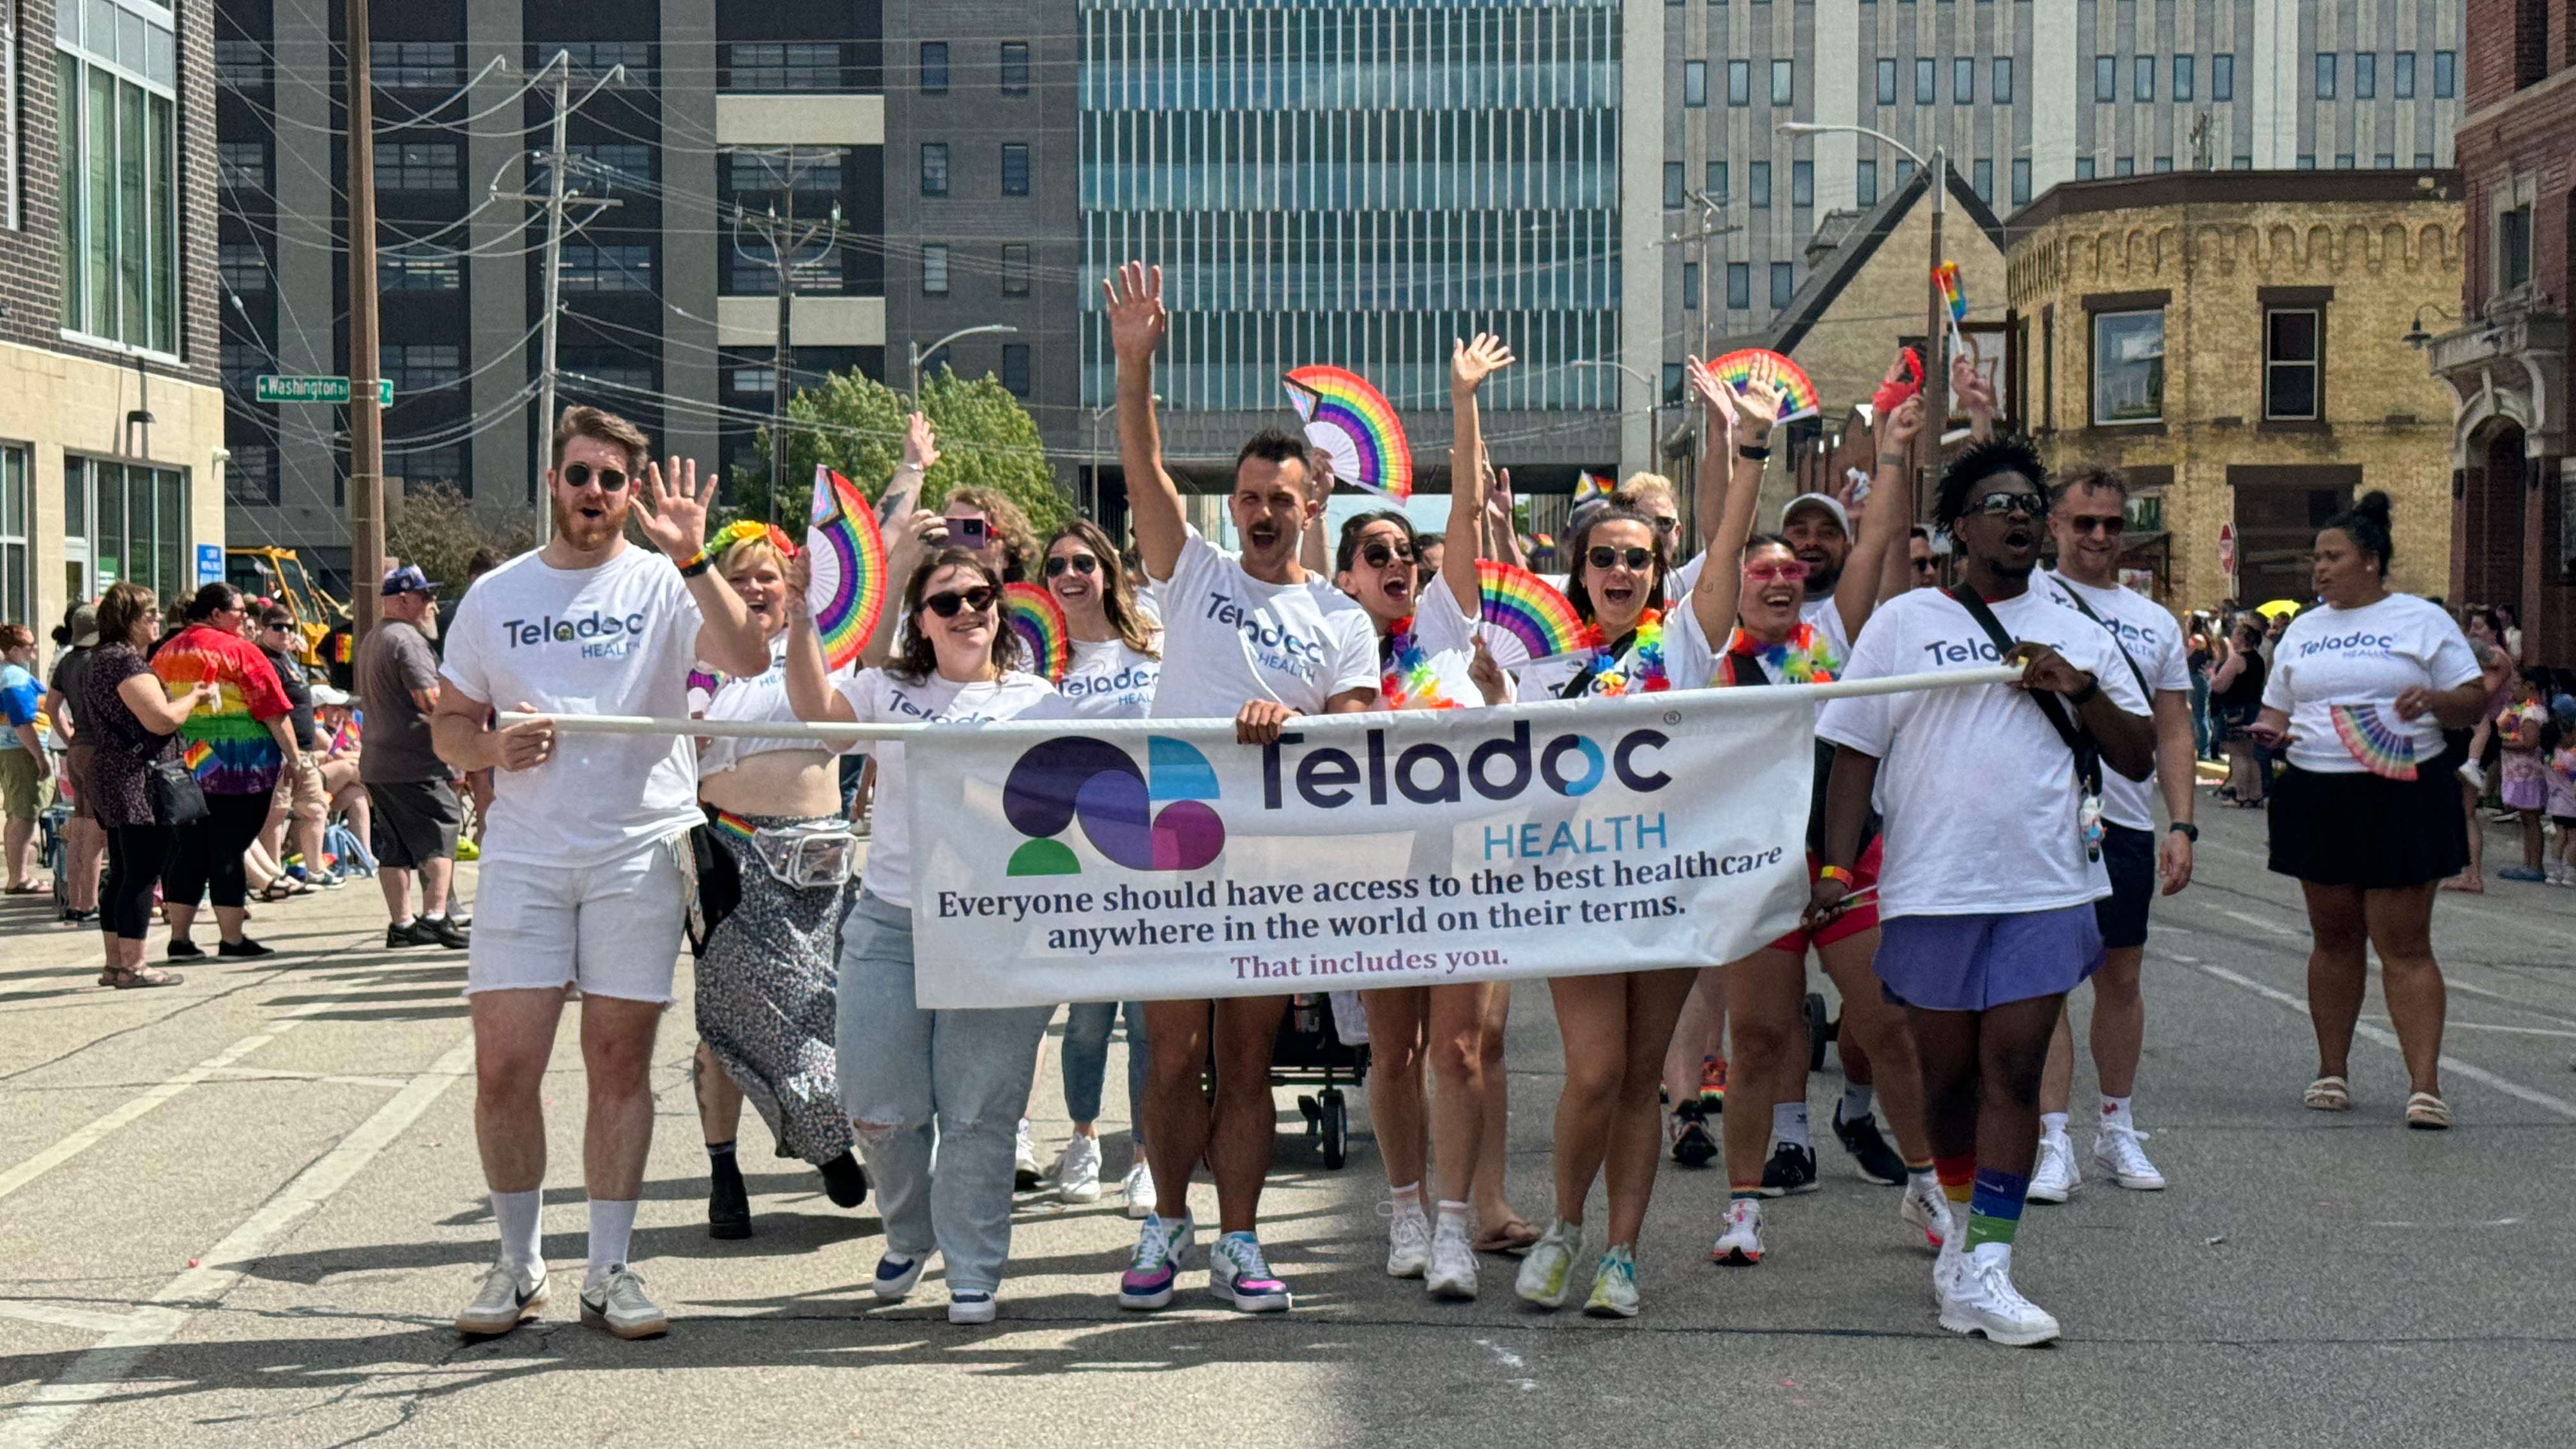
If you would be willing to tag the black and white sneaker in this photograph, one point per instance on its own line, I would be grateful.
(1792, 1168)
(510, 1296)
(1870, 1153)
(1693, 1146)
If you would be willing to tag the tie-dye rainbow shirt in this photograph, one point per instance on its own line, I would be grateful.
(229, 747)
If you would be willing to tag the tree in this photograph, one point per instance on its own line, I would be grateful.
(853, 424)
(436, 528)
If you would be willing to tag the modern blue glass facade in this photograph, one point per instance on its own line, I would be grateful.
(1357, 182)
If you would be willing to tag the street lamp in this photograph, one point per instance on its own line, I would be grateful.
(2416, 337)
(921, 354)
(1936, 364)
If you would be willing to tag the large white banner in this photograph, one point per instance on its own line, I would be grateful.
(1159, 859)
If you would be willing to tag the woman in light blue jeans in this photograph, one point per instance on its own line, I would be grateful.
(1087, 1025)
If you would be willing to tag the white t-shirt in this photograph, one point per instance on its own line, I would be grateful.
(2153, 639)
(1689, 663)
(2331, 656)
(763, 698)
(615, 639)
(1229, 638)
(1445, 633)
(1978, 792)
(877, 697)
(1109, 680)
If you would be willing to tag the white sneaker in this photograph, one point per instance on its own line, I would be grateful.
(1453, 1266)
(509, 1297)
(971, 1308)
(613, 1298)
(1983, 1300)
(1740, 1246)
(1408, 1243)
(1947, 1267)
(2054, 1179)
(1025, 1175)
(1928, 1208)
(1239, 1274)
(1138, 1189)
(2117, 1155)
(1077, 1170)
(1549, 1263)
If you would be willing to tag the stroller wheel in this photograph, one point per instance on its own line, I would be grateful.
(1819, 1031)
(1336, 1127)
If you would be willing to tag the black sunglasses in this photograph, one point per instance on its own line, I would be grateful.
(1603, 556)
(947, 602)
(582, 475)
(279, 627)
(1081, 563)
(2026, 505)
(2112, 525)
(1379, 555)
(1667, 525)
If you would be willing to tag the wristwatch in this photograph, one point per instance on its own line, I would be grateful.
(2084, 696)
(2186, 829)
(1757, 453)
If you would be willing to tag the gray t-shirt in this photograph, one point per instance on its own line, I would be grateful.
(393, 661)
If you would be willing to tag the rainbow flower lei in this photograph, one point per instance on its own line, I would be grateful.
(1805, 657)
(1409, 681)
(1648, 652)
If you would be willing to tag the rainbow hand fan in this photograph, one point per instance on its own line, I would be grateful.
(704, 681)
(847, 589)
(1356, 427)
(2383, 746)
(1038, 619)
(1523, 605)
(1798, 397)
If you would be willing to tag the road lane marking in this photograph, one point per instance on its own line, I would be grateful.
(49, 1411)
(2489, 1026)
(2258, 923)
(2451, 1064)
(87, 1319)
(85, 1138)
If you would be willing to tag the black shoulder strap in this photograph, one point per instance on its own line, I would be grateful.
(2145, 690)
(2088, 756)
(1744, 668)
(1576, 687)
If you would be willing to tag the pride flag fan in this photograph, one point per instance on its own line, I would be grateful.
(1798, 397)
(1523, 604)
(1038, 619)
(847, 590)
(1356, 427)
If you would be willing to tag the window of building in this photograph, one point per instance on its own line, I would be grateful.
(2083, 168)
(132, 523)
(934, 67)
(243, 267)
(1690, 286)
(2446, 74)
(2129, 366)
(1784, 284)
(1672, 382)
(2343, 160)
(2182, 85)
(2365, 76)
(934, 168)
(2291, 362)
(1865, 183)
(755, 170)
(1963, 80)
(2222, 77)
(2164, 163)
(2142, 78)
(2402, 76)
(1757, 182)
(1739, 82)
(2531, 50)
(2422, 159)
(1015, 369)
(2021, 183)
(592, 61)
(1015, 168)
(934, 270)
(1927, 73)
(1784, 82)
(797, 66)
(1802, 183)
(1981, 179)
(2305, 161)
(240, 365)
(116, 72)
(242, 165)
(1675, 182)
(1015, 67)
(416, 166)
(2242, 163)
(415, 65)
(1904, 170)
(1886, 81)
(250, 474)
(2326, 75)
(1739, 285)
(2513, 247)
(605, 168)
(1015, 269)
(2125, 166)
(2106, 74)
(2385, 160)
(241, 64)
(589, 267)
(17, 596)
(1694, 83)
(435, 465)
(419, 366)
(1717, 180)
(407, 271)
(2003, 81)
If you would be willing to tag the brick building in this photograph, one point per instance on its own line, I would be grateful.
(111, 426)
(2237, 343)
(2513, 488)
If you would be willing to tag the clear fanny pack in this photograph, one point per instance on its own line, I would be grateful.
(816, 853)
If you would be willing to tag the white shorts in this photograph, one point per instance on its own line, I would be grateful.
(611, 928)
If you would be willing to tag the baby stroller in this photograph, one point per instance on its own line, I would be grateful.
(1310, 1051)
(342, 843)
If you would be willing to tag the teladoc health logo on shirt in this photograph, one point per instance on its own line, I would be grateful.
(602, 636)
(1077, 777)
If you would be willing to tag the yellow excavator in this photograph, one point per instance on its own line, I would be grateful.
(268, 571)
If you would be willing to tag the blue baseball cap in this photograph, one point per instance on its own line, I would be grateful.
(409, 580)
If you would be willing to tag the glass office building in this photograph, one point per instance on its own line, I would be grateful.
(1356, 182)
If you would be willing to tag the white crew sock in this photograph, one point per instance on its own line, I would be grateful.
(2052, 1124)
(611, 1224)
(1408, 1198)
(1453, 1218)
(1789, 1124)
(519, 1216)
(2115, 1113)
(1856, 1100)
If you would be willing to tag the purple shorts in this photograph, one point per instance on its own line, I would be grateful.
(1969, 963)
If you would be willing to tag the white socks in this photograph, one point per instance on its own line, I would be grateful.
(1407, 1199)
(611, 1224)
(2052, 1124)
(517, 1216)
(1453, 1219)
(2115, 1113)
(1856, 1100)
(1789, 1124)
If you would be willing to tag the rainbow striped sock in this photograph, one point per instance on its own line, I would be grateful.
(1994, 1210)
(1957, 1174)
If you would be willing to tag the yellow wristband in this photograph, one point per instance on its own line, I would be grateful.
(1836, 872)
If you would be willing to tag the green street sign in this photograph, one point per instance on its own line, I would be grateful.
(273, 388)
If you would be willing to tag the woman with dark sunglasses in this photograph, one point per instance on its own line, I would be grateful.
(911, 1077)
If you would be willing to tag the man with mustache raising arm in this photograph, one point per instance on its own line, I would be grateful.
(590, 887)
(1262, 638)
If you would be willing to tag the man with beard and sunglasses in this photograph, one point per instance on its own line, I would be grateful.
(589, 835)
(1990, 802)
(1262, 638)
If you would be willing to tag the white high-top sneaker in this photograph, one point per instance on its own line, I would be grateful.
(2054, 1178)
(1983, 1300)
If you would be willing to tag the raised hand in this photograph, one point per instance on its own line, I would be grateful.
(800, 576)
(1897, 429)
(1756, 409)
(920, 444)
(1970, 387)
(1470, 363)
(674, 519)
(1135, 307)
(1498, 495)
(911, 541)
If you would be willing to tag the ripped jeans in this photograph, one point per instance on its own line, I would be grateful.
(922, 1083)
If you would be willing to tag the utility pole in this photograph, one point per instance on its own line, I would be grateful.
(1936, 360)
(550, 319)
(786, 238)
(366, 422)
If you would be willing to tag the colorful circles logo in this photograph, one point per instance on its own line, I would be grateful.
(1079, 778)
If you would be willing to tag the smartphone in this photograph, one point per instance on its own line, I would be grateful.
(969, 533)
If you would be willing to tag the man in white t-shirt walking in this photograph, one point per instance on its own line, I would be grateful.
(1262, 639)
(585, 876)
(1989, 864)
(2086, 520)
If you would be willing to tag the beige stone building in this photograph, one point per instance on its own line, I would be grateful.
(2235, 341)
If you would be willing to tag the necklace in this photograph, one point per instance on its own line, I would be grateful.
(1409, 681)
(1805, 657)
(1646, 648)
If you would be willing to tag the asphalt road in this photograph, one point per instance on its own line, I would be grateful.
(243, 1211)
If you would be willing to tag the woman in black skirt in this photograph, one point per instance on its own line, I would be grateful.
(2366, 815)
